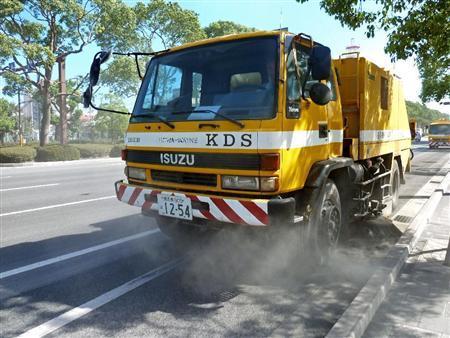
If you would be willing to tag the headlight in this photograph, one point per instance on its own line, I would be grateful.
(250, 183)
(240, 182)
(136, 173)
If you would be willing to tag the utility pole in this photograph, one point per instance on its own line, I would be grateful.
(20, 118)
(62, 100)
(12, 67)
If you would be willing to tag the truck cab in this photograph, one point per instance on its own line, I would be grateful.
(439, 133)
(234, 121)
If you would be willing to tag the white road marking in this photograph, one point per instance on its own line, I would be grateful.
(57, 206)
(61, 258)
(31, 187)
(2, 177)
(83, 309)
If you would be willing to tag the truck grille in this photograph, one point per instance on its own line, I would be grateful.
(185, 178)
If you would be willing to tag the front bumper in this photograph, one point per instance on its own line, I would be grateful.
(253, 212)
(439, 142)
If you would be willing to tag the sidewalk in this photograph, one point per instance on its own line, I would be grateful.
(418, 304)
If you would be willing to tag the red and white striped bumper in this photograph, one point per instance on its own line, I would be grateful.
(245, 212)
(435, 143)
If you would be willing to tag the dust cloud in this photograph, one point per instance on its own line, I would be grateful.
(237, 256)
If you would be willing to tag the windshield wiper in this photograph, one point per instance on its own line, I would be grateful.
(240, 124)
(160, 118)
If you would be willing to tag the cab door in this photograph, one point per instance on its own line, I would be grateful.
(305, 124)
(334, 116)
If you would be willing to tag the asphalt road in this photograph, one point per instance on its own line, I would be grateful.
(75, 262)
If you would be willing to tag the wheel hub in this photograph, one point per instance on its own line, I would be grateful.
(331, 222)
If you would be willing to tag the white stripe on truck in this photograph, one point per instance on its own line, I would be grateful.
(233, 140)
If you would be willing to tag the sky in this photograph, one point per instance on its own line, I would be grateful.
(299, 18)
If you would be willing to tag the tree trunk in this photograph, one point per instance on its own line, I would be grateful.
(45, 122)
(62, 101)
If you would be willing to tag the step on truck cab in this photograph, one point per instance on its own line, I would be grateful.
(263, 130)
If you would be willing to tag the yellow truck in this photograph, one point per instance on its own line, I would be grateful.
(439, 133)
(263, 130)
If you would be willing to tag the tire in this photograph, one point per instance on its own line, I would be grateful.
(395, 184)
(326, 222)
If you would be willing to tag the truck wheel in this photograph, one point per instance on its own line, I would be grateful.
(327, 221)
(395, 184)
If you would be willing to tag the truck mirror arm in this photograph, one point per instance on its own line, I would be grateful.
(87, 102)
(137, 54)
(94, 74)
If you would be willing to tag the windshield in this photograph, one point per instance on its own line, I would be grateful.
(235, 79)
(440, 129)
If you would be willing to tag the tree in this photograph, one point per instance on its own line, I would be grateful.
(74, 123)
(158, 22)
(418, 28)
(114, 125)
(36, 34)
(166, 22)
(73, 98)
(422, 114)
(219, 28)
(7, 121)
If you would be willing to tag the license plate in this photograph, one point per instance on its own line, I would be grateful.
(175, 206)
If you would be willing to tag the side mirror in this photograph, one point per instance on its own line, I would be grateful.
(320, 63)
(320, 94)
(87, 97)
(94, 73)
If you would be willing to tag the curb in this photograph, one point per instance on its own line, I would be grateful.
(360, 312)
(49, 164)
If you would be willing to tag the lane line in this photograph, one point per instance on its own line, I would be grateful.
(31, 187)
(57, 206)
(74, 254)
(66, 166)
(83, 309)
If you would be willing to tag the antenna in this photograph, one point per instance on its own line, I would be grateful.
(281, 17)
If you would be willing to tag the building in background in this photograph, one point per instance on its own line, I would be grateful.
(31, 118)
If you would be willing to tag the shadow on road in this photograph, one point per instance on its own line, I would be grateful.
(232, 285)
(30, 252)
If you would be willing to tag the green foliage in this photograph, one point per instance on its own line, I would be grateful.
(17, 154)
(114, 125)
(57, 152)
(116, 150)
(220, 28)
(422, 114)
(167, 22)
(36, 34)
(75, 122)
(417, 28)
(158, 20)
(7, 121)
(93, 150)
(121, 76)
